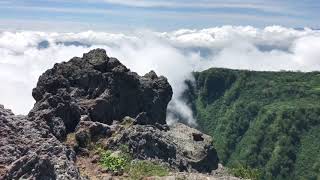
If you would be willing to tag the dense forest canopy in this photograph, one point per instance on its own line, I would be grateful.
(269, 121)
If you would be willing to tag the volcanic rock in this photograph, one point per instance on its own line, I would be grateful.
(176, 146)
(100, 87)
(89, 131)
(29, 151)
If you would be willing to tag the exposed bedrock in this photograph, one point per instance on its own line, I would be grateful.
(29, 151)
(100, 87)
(182, 147)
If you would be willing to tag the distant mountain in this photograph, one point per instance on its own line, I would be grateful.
(269, 121)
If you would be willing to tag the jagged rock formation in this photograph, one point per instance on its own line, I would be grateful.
(29, 151)
(93, 97)
(100, 87)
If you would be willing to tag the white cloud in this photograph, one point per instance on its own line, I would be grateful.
(173, 54)
(306, 52)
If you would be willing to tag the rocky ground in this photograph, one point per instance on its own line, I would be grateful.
(29, 151)
(95, 104)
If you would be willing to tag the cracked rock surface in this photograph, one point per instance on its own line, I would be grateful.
(29, 151)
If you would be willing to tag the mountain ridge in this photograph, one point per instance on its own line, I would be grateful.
(260, 120)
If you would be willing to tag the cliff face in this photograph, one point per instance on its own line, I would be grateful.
(99, 102)
(268, 121)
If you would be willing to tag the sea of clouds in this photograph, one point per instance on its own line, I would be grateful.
(25, 55)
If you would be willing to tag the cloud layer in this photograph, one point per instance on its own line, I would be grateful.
(25, 55)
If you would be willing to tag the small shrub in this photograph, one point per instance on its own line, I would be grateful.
(113, 163)
(140, 169)
(123, 162)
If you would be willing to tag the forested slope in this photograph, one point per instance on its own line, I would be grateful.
(268, 121)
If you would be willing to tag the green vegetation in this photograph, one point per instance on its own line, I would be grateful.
(268, 121)
(121, 161)
(113, 162)
(140, 169)
(246, 173)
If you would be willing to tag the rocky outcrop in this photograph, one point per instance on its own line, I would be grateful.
(88, 131)
(182, 147)
(29, 151)
(93, 99)
(100, 87)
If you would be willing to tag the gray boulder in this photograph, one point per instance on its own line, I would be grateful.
(89, 132)
(182, 147)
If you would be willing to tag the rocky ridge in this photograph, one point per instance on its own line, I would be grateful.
(98, 100)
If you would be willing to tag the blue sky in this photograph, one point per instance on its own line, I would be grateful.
(160, 15)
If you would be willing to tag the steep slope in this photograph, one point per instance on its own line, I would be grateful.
(264, 120)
